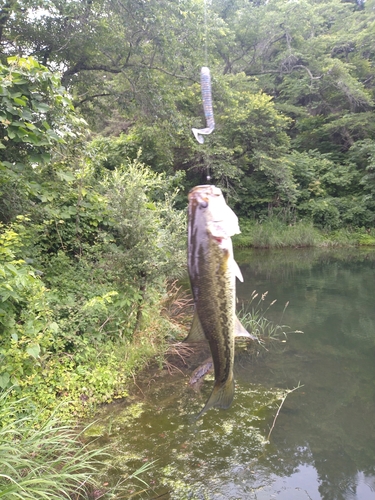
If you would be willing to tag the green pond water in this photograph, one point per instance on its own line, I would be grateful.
(322, 444)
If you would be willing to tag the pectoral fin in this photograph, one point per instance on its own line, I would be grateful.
(237, 270)
(196, 333)
(240, 330)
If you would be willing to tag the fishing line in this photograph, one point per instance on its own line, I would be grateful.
(205, 79)
(205, 34)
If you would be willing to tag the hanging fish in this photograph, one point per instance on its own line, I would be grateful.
(207, 106)
(212, 271)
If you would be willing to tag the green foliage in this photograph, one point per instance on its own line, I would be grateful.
(273, 232)
(31, 96)
(314, 60)
(322, 212)
(40, 458)
(254, 134)
(154, 247)
(362, 153)
(330, 193)
(26, 325)
(36, 119)
(78, 278)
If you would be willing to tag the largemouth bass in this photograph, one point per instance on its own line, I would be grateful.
(212, 271)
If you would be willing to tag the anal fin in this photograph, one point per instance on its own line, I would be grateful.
(196, 333)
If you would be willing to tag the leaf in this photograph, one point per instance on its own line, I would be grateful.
(54, 327)
(20, 102)
(36, 158)
(12, 269)
(31, 126)
(33, 350)
(19, 80)
(65, 176)
(11, 133)
(4, 380)
(46, 157)
(41, 106)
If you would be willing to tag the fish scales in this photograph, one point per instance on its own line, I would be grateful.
(212, 272)
(216, 310)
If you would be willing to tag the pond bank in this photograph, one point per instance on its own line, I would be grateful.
(274, 233)
(324, 437)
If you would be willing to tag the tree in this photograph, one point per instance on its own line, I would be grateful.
(36, 117)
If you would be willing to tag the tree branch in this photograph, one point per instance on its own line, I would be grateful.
(81, 66)
(308, 71)
(5, 13)
(90, 98)
(280, 406)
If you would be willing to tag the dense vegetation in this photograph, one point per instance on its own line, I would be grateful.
(97, 101)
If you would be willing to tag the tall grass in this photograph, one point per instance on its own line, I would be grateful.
(253, 317)
(274, 233)
(43, 460)
(350, 237)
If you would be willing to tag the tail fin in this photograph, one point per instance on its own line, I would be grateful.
(221, 396)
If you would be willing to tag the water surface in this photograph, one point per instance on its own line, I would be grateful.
(322, 444)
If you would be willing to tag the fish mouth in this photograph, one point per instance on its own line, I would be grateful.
(210, 197)
(218, 239)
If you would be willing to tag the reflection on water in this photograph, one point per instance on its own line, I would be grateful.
(323, 443)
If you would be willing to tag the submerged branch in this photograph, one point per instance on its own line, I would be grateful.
(280, 406)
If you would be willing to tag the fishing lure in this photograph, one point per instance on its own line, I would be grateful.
(207, 106)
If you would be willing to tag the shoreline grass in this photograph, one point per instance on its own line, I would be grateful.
(42, 458)
(274, 233)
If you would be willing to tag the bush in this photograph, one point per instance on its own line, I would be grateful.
(322, 212)
(26, 322)
(77, 287)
